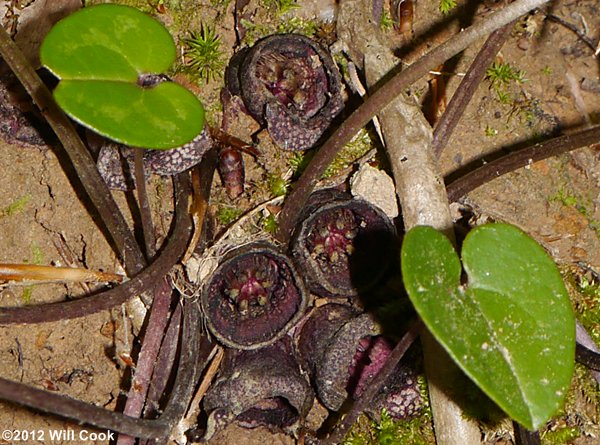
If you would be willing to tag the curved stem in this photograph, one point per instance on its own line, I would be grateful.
(465, 91)
(587, 357)
(373, 388)
(82, 161)
(64, 406)
(521, 158)
(45, 401)
(139, 284)
(383, 97)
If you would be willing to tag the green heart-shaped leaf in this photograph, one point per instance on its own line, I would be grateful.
(511, 329)
(99, 53)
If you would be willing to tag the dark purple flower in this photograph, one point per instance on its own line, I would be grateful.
(259, 388)
(343, 353)
(289, 83)
(344, 245)
(253, 298)
(116, 166)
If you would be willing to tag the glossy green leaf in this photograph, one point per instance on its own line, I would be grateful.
(129, 114)
(511, 328)
(98, 53)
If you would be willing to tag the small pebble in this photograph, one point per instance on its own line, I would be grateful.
(377, 187)
(523, 43)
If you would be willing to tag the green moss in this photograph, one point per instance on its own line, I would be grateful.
(580, 415)
(417, 430)
(490, 131)
(278, 186)
(299, 26)
(502, 74)
(387, 431)
(386, 23)
(269, 223)
(342, 61)
(280, 7)
(446, 6)
(227, 215)
(143, 5)
(353, 150)
(299, 161)
(585, 297)
(203, 54)
(272, 19)
(221, 4)
(254, 31)
(560, 436)
(26, 295)
(565, 198)
(502, 78)
(16, 206)
(582, 204)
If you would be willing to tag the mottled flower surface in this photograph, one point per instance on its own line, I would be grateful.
(259, 388)
(343, 244)
(253, 298)
(18, 122)
(289, 83)
(116, 166)
(316, 330)
(350, 350)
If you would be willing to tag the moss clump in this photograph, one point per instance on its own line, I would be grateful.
(353, 150)
(278, 185)
(446, 6)
(269, 223)
(582, 204)
(584, 289)
(280, 7)
(417, 430)
(580, 416)
(204, 58)
(227, 215)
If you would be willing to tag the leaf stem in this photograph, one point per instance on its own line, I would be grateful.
(378, 381)
(188, 371)
(383, 97)
(142, 282)
(587, 357)
(525, 437)
(99, 194)
(521, 158)
(465, 91)
(144, 205)
(155, 329)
